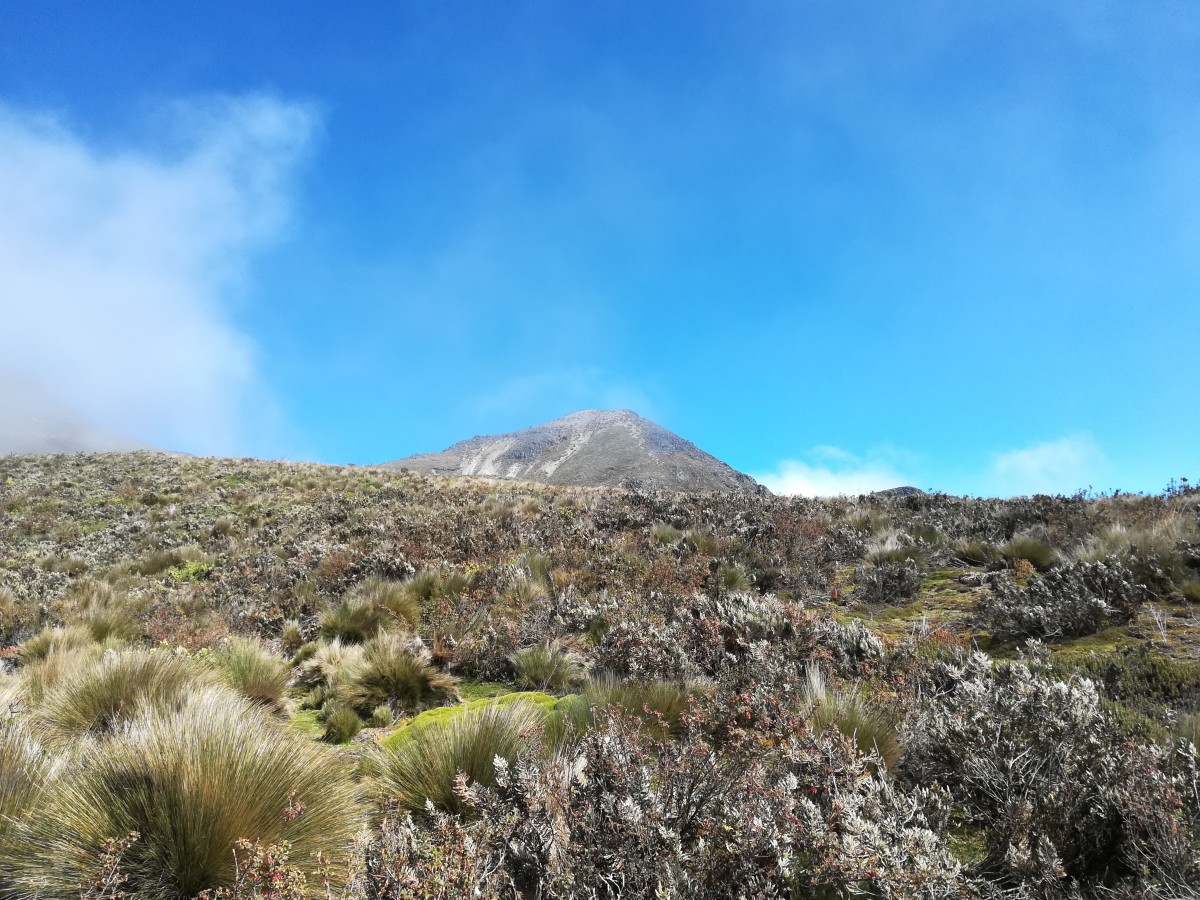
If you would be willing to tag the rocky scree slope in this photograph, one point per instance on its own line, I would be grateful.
(594, 448)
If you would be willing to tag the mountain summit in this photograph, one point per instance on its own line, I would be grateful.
(592, 447)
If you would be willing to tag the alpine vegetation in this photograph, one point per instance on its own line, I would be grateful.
(230, 679)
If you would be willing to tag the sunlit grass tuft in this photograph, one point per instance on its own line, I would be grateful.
(190, 782)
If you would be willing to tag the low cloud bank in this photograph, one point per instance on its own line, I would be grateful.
(1061, 466)
(119, 269)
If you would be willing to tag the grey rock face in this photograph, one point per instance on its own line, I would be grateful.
(591, 447)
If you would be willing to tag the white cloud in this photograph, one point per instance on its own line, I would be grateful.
(1055, 467)
(118, 267)
(840, 473)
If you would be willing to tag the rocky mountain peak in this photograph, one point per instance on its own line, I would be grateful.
(590, 447)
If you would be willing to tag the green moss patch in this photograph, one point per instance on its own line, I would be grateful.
(483, 690)
(442, 715)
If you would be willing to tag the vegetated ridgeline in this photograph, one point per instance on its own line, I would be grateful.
(236, 679)
(591, 448)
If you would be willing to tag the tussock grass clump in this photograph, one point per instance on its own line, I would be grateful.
(977, 553)
(24, 769)
(854, 715)
(665, 535)
(548, 667)
(701, 542)
(54, 640)
(732, 579)
(328, 665)
(190, 782)
(894, 546)
(422, 587)
(1190, 591)
(402, 599)
(292, 637)
(395, 673)
(425, 767)
(100, 698)
(659, 704)
(15, 616)
(342, 723)
(42, 676)
(1042, 555)
(526, 590)
(189, 559)
(252, 670)
(110, 624)
(1187, 728)
(356, 619)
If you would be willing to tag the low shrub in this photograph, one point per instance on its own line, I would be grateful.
(1038, 765)
(1137, 677)
(442, 857)
(190, 782)
(625, 813)
(1075, 599)
(889, 581)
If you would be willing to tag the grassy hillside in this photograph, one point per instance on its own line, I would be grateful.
(275, 679)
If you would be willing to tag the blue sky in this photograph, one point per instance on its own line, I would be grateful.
(839, 245)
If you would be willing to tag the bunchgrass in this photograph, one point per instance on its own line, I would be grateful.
(546, 667)
(292, 637)
(977, 553)
(853, 714)
(392, 672)
(342, 723)
(401, 599)
(328, 665)
(54, 640)
(1042, 555)
(665, 535)
(253, 671)
(24, 768)
(98, 699)
(659, 704)
(190, 782)
(425, 767)
(356, 619)
(60, 667)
